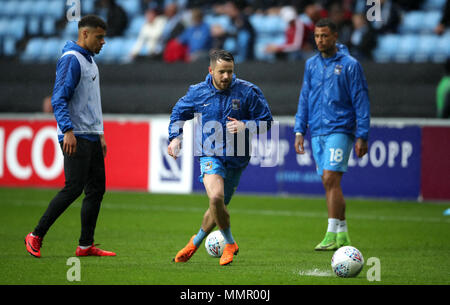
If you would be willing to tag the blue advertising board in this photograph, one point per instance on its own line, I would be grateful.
(390, 169)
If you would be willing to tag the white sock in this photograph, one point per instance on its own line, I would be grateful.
(333, 224)
(84, 247)
(342, 226)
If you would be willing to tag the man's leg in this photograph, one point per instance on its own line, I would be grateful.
(75, 171)
(94, 190)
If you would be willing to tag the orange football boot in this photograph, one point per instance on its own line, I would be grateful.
(228, 253)
(186, 253)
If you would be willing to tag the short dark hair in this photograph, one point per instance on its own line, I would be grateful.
(92, 21)
(216, 55)
(327, 22)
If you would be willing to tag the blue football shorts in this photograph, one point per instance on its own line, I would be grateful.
(231, 176)
(331, 152)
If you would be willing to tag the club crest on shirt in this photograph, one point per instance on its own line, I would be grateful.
(338, 69)
(208, 166)
(236, 104)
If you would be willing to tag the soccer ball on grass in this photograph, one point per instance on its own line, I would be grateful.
(215, 243)
(347, 262)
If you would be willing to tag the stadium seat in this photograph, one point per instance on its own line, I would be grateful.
(406, 48)
(25, 8)
(33, 49)
(431, 20)
(33, 26)
(131, 7)
(9, 46)
(10, 8)
(412, 22)
(16, 27)
(48, 26)
(135, 26)
(87, 7)
(433, 5)
(51, 50)
(222, 20)
(3, 26)
(71, 30)
(386, 47)
(425, 48)
(40, 8)
(442, 49)
(56, 8)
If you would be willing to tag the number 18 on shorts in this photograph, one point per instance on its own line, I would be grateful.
(331, 152)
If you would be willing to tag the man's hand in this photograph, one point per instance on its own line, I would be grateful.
(103, 143)
(235, 126)
(360, 147)
(174, 148)
(299, 148)
(69, 143)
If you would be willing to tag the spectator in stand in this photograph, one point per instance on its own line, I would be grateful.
(337, 14)
(197, 37)
(116, 17)
(363, 38)
(445, 20)
(173, 49)
(150, 35)
(241, 30)
(47, 104)
(295, 36)
(390, 17)
(174, 26)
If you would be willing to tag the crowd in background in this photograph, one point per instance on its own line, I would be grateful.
(176, 30)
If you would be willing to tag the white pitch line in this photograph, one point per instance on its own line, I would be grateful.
(285, 213)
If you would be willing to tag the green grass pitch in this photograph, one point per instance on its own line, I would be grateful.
(276, 237)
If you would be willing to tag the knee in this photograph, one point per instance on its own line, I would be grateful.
(216, 199)
(331, 180)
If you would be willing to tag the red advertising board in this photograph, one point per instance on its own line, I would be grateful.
(435, 163)
(30, 154)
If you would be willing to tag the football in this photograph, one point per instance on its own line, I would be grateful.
(347, 262)
(215, 243)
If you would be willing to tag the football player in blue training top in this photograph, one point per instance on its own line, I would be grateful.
(230, 109)
(334, 105)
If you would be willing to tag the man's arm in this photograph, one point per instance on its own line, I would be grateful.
(68, 75)
(182, 111)
(361, 104)
(301, 117)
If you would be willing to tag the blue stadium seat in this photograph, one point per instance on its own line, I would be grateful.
(431, 20)
(412, 22)
(386, 47)
(71, 30)
(406, 48)
(4, 26)
(433, 5)
(56, 8)
(135, 26)
(425, 48)
(40, 8)
(87, 7)
(442, 48)
(9, 46)
(33, 50)
(221, 20)
(10, 8)
(34, 25)
(48, 26)
(25, 8)
(132, 7)
(14, 27)
(51, 50)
